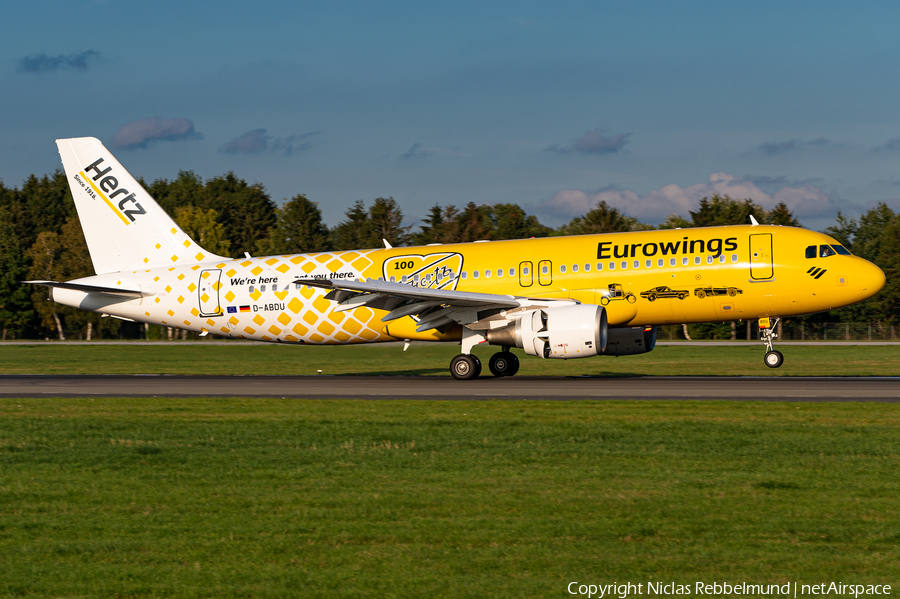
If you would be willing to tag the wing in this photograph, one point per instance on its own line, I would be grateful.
(436, 308)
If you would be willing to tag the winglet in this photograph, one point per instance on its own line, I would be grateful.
(387, 245)
(753, 221)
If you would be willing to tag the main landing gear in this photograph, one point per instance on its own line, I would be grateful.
(467, 366)
(773, 358)
(464, 367)
(504, 363)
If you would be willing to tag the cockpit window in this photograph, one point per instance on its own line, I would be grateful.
(841, 250)
(825, 251)
(811, 251)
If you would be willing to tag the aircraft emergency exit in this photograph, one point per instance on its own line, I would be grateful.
(559, 297)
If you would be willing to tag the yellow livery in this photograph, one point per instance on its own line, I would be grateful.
(557, 297)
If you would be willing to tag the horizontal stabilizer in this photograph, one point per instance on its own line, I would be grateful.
(118, 291)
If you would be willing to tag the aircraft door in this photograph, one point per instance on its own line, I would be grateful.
(545, 272)
(208, 292)
(761, 264)
(526, 274)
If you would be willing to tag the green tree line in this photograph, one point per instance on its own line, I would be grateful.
(41, 238)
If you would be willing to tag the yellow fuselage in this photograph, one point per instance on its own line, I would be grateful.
(642, 278)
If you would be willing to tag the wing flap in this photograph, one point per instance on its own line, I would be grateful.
(400, 290)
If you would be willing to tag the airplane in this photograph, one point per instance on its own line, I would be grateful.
(555, 298)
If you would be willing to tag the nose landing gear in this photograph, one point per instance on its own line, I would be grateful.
(773, 357)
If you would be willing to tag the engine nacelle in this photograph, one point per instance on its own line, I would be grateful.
(630, 341)
(565, 332)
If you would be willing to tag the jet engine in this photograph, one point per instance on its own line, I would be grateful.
(558, 332)
(630, 341)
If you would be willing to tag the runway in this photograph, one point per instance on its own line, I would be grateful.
(881, 389)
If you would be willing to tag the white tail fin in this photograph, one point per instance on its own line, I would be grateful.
(124, 227)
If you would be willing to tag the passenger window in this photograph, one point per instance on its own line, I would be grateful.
(525, 271)
(474, 274)
(544, 269)
(825, 251)
(811, 251)
(721, 258)
(648, 263)
(672, 262)
(512, 272)
(393, 279)
(262, 288)
(562, 268)
(487, 274)
(274, 287)
(574, 268)
(709, 259)
(587, 268)
(734, 257)
(297, 285)
(624, 265)
(841, 250)
(499, 272)
(660, 262)
(637, 263)
(684, 261)
(612, 265)
(697, 260)
(251, 288)
(465, 275)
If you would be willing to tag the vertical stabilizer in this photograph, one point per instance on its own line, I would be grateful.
(124, 227)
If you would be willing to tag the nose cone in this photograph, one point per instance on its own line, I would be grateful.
(870, 277)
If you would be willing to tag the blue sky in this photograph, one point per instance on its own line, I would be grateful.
(647, 105)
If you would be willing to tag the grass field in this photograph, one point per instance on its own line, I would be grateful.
(275, 498)
(434, 359)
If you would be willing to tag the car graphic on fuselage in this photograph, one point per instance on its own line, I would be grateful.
(664, 292)
(702, 292)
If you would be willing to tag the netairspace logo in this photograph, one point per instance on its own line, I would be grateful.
(790, 589)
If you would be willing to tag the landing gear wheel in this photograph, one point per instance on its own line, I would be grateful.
(774, 359)
(504, 363)
(464, 367)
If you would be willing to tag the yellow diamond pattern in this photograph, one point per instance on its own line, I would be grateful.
(308, 316)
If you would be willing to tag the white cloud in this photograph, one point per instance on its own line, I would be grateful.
(257, 141)
(416, 151)
(593, 142)
(42, 63)
(805, 200)
(146, 132)
(251, 142)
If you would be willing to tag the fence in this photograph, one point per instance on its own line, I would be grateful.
(824, 331)
(839, 331)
